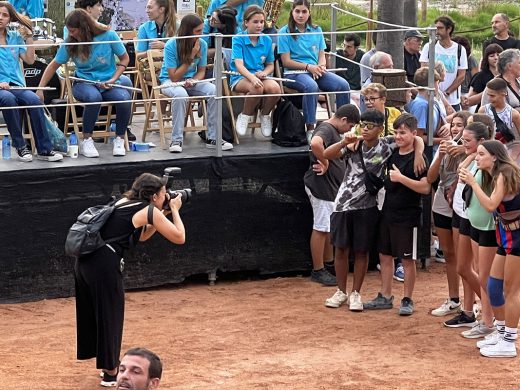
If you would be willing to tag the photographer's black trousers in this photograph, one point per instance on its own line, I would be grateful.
(100, 307)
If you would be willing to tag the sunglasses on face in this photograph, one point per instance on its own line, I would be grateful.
(369, 125)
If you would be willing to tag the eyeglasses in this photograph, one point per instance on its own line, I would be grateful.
(372, 99)
(369, 125)
(213, 20)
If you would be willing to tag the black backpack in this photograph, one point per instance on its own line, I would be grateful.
(288, 125)
(84, 235)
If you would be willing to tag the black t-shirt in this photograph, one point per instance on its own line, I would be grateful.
(479, 81)
(411, 64)
(509, 43)
(325, 187)
(402, 205)
(353, 74)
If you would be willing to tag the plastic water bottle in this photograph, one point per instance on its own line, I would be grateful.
(73, 145)
(6, 148)
(112, 132)
(73, 140)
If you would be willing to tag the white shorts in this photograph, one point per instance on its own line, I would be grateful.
(321, 210)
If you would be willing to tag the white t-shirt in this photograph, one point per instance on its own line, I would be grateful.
(449, 57)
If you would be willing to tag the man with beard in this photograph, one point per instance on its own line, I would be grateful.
(140, 369)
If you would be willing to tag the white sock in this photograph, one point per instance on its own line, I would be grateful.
(511, 334)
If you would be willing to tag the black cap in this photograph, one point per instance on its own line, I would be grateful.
(413, 34)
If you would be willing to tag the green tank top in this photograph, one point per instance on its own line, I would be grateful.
(478, 217)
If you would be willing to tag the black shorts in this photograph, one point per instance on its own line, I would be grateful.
(398, 240)
(355, 229)
(441, 221)
(462, 224)
(487, 238)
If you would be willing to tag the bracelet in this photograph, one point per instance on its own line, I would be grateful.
(307, 67)
(124, 66)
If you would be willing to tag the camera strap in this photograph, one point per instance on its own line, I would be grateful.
(150, 214)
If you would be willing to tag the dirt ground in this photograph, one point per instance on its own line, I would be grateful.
(261, 334)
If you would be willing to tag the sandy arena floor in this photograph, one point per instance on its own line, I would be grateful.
(262, 334)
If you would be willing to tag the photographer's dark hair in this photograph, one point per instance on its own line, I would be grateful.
(144, 187)
(349, 111)
(155, 368)
(373, 116)
(227, 17)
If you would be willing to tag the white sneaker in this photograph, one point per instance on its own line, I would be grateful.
(266, 125)
(490, 339)
(242, 123)
(448, 307)
(338, 299)
(88, 149)
(502, 348)
(480, 330)
(175, 147)
(212, 144)
(119, 147)
(355, 303)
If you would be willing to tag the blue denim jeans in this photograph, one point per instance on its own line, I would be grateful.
(180, 95)
(89, 93)
(13, 98)
(329, 82)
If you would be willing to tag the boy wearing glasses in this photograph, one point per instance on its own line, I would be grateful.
(375, 98)
(354, 222)
(322, 181)
(401, 215)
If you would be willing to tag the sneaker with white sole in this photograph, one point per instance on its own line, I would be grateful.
(108, 380)
(461, 320)
(24, 154)
(480, 330)
(88, 149)
(490, 339)
(266, 125)
(51, 156)
(338, 299)
(502, 349)
(399, 273)
(448, 307)
(242, 123)
(355, 303)
(212, 144)
(406, 308)
(175, 147)
(119, 147)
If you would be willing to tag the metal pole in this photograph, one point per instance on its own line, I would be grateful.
(217, 71)
(431, 83)
(333, 46)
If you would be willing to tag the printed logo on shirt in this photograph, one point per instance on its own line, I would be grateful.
(263, 58)
(101, 59)
(449, 61)
(314, 48)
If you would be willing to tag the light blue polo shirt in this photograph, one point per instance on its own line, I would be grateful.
(306, 48)
(207, 29)
(241, 8)
(148, 30)
(31, 8)
(171, 60)
(10, 71)
(101, 64)
(255, 57)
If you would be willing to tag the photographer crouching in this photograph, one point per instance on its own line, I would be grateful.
(100, 296)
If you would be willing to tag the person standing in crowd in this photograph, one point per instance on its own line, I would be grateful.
(374, 96)
(501, 34)
(497, 107)
(162, 24)
(351, 51)
(488, 71)
(11, 76)
(454, 58)
(185, 60)
(100, 295)
(90, 67)
(239, 5)
(140, 369)
(400, 217)
(509, 70)
(253, 58)
(322, 181)
(444, 167)
(306, 52)
(30, 8)
(354, 222)
(472, 65)
(499, 193)
(412, 50)
(473, 135)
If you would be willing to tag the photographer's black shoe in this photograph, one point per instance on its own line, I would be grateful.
(131, 136)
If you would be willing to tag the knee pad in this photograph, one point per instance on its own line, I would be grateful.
(495, 290)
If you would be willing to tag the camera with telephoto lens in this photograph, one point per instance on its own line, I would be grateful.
(185, 193)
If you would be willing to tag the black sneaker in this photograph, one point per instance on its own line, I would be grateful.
(49, 156)
(460, 320)
(108, 380)
(329, 266)
(324, 277)
(24, 154)
(131, 136)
